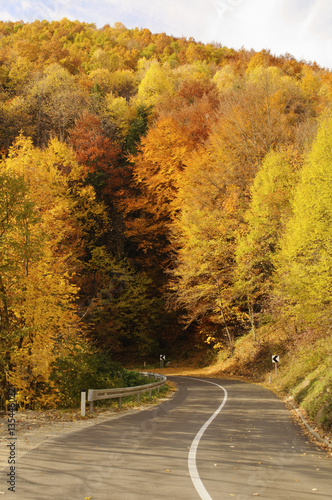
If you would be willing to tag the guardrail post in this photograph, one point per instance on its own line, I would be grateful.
(83, 401)
(90, 399)
(120, 402)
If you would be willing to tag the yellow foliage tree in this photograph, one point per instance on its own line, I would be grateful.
(305, 259)
(266, 217)
(157, 80)
(37, 264)
(204, 236)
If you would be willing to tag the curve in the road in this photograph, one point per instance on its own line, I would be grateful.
(197, 482)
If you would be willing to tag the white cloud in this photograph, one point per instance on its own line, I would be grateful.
(300, 27)
(5, 15)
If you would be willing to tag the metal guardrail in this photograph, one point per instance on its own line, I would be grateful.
(120, 392)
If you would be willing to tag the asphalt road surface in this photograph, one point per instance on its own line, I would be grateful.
(215, 440)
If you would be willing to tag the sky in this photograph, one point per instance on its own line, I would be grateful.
(302, 28)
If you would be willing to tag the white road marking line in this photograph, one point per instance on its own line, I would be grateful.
(200, 488)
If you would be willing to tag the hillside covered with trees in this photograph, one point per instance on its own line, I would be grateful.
(160, 195)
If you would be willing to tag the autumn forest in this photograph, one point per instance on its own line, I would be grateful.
(159, 195)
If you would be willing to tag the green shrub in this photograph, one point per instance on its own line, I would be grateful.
(134, 378)
(84, 370)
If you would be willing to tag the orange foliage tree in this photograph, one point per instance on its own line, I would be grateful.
(99, 155)
(156, 169)
(194, 108)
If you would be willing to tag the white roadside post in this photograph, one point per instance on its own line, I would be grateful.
(83, 401)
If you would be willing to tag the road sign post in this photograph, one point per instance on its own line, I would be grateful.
(275, 360)
(162, 358)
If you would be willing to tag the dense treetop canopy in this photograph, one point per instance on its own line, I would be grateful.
(155, 192)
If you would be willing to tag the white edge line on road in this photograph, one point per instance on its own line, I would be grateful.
(200, 488)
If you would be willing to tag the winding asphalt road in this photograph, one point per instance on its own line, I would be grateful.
(215, 440)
